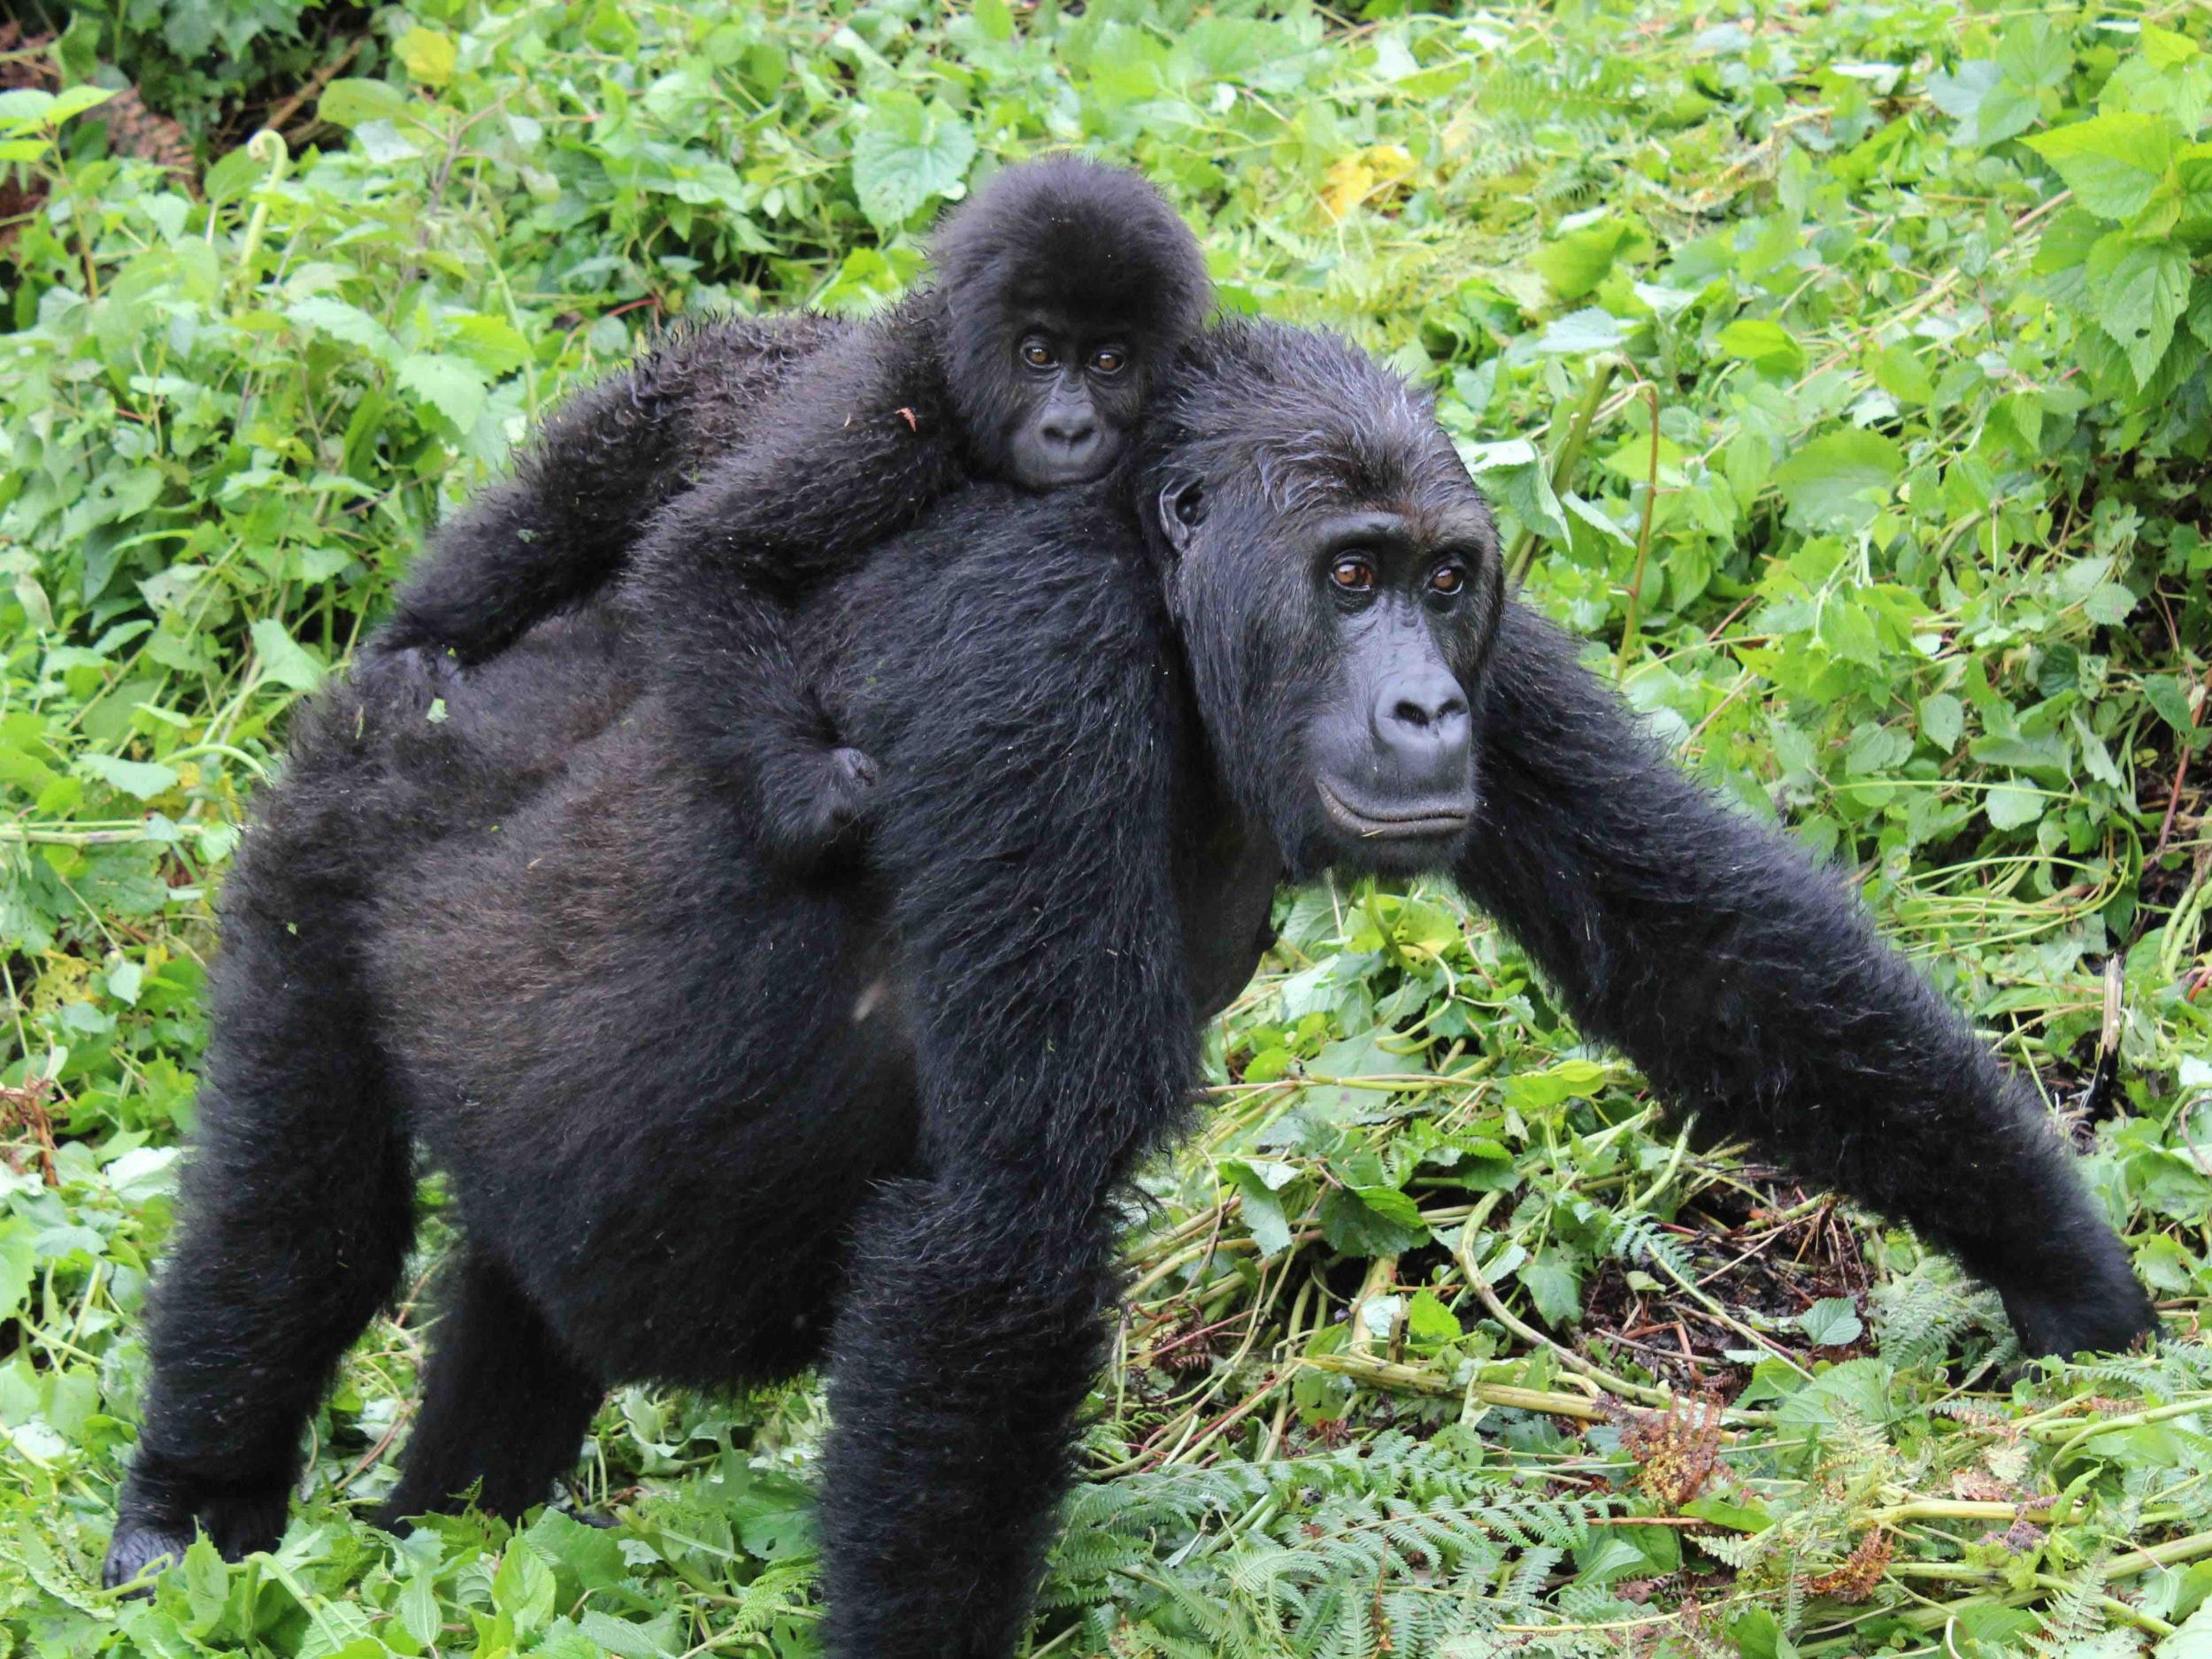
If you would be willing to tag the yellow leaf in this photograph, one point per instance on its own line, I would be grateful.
(1365, 175)
(428, 54)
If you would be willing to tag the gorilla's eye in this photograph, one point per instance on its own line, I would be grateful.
(1353, 574)
(1109, 361)
(1446, 581)
(1037, 352)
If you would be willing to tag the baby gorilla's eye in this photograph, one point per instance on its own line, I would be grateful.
(1448, 580)
(1353, 574)
(1109, 360)
(1036, 352)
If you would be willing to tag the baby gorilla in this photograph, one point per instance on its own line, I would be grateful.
(1060, 289)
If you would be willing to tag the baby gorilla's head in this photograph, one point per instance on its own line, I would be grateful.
(1064, 283)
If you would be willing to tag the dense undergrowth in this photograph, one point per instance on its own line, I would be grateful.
(1906, 316)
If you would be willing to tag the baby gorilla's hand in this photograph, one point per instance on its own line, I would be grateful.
(817, 801)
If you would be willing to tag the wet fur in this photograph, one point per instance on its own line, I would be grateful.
(707, 1120)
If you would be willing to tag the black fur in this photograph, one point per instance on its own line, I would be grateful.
(864, 427)
(708, 1121)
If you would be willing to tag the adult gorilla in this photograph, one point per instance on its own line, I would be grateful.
(706, 1122)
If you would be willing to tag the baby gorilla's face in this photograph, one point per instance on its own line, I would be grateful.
(1079, 392)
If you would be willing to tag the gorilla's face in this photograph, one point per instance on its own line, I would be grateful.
(1336, 643)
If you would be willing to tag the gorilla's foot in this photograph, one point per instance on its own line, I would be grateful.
(159, 1513)
(142, 1547)
(2107, 1314)
(817, 801)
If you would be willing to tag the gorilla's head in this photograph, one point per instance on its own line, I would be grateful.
(1064, 285)
(1336, 579)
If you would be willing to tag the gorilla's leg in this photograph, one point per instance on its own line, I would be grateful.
(562, 526)
(957, 1368)
(297, 1212)
(504, 1403)
(1751, 985)
(297, 1207)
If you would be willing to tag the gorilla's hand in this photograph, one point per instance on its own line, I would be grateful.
(817, 801)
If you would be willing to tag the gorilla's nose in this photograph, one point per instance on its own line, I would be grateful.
(1421, 722)
(1076, 435)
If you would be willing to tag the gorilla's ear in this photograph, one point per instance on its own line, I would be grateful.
(1182, 509)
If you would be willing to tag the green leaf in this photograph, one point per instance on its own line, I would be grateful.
(1898, 371)
(2012, 806)
(1769, 344)
(2138, 291)
(908, 155)
(1831, 1322)
(1840, 482)
(1590, 329)
(352, 103)
(451, 386)
(144, 780)
(2168, 695)
(1579, 261)
(1428, 1321)
(283, 658)
(1354, 1222)
(18, 1265)
(2112, 163)
(1554, 1286)
(1263, 1210)
(1569, 1079)
(2110, 603)
(1942, 718)
(75, 101)
(341, 321)
(428, 54)
(1513, 474)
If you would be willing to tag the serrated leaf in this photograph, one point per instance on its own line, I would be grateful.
(1513, 474)
(1840, 482)
(1831, 1322)
(341, 321)
(2110, 603)
(283, 658)
(141, 779)
(1554, 1286)
(1942, 718)
(2012, 806)
(908, 155)
(451, 386)
(1429, 1321)
(2112, 163)
(2138, 291)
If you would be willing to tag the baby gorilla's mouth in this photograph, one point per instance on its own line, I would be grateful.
(1414, 820)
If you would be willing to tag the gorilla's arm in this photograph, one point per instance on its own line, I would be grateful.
(1025, 829)
(1751, 985)
(853, 451)
(550, 536)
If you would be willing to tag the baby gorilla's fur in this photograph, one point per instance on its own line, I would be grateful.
(1058, 290)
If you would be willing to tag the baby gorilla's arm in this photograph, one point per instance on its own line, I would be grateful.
(847, 456)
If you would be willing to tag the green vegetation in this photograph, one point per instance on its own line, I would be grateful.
(1906, 316)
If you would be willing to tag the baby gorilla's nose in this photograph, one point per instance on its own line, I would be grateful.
(1074, 430)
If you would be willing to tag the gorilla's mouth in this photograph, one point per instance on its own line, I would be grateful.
(1419, 820)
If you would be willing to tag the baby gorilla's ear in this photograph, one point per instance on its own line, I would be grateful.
(1182, 508)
